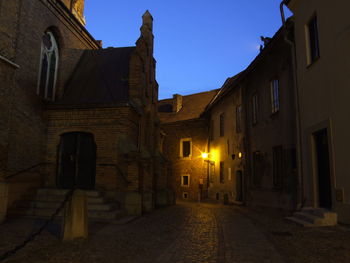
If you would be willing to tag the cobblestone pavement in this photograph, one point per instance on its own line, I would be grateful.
(187, 232)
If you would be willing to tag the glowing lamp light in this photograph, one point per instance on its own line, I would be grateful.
(205, 155)
(239, 155)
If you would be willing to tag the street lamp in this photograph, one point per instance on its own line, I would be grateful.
(205, 155)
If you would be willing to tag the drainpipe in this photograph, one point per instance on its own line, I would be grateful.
(300, 194)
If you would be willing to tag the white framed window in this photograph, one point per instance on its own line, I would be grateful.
(185, 180)
(312, 40)
(186, 148)
(275, 95)
(48, 67)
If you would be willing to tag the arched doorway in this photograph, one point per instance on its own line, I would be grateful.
(76, 161)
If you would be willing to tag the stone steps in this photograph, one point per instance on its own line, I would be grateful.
(299, 222)
(46, 201)
(314, 217)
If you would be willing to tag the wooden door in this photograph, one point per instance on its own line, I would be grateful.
(76, 161)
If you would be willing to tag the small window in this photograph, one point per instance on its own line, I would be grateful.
(312, 40)
(185, 148)
(222, 124)
(255, 109)
(222, 167)
(277, 166)
(238, 118)
(275, 96)
(48, 67)
(185, 195)
(185, 180)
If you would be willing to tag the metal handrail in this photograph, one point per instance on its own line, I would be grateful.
(118, 169)
(25, 170)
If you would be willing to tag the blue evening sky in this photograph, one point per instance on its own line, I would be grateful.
(198, 43)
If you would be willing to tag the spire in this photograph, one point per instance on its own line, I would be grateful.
(147, 20)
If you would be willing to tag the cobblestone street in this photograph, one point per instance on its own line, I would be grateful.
(189, 232)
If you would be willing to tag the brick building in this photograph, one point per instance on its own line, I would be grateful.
(74, 114)
(185, 139)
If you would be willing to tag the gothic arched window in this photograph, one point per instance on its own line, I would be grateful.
(48, 66)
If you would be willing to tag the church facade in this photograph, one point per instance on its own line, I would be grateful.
(74, 114)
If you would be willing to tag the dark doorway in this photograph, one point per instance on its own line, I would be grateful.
(76, 161)
(239, 186)
(323, 169)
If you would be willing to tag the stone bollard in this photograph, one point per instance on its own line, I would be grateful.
(3, 201)
(75, 219)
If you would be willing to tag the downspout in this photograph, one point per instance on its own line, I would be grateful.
(300, 194)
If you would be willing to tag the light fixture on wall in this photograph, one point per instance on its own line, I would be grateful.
(240, 155)
(205, 155)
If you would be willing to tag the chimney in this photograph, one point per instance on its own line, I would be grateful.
(177, 103)
(99, 42)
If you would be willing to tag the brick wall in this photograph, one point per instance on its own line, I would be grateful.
(108, 125)
(197, 130)
(9, 15)
(24, 22)
(7, 73)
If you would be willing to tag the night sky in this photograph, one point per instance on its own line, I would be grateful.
(198, 43)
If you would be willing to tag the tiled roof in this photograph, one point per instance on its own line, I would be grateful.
(101, 77)
(192, 107)
(226, 87)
